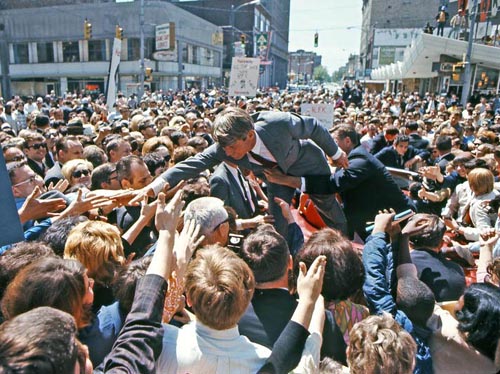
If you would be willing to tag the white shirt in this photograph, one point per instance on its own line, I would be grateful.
(196, 348)
(260, 149)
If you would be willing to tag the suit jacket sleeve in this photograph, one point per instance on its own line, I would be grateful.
(140, 341)
(309, 128)
(342, 180)
(190, 168)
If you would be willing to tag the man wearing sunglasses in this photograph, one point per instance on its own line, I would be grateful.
(35, 149)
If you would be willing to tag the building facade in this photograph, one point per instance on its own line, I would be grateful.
(301, 65)
(43, 47)
(248, 19)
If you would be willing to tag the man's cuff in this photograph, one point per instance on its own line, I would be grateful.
(302, 184)
(337, 154)
(157, 185)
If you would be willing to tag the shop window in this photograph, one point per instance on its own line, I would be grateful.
(71, 52)
(45, 52)
(21, 53)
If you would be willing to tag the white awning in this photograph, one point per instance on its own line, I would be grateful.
(426, 49)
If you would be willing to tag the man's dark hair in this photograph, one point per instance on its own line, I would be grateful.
(266, 253)
(391, 130)
(479, 318)
(95, 155)
(401, 139)
(102, 174)
(195, 188)
(124, 166)
(41, 341)
(41, 120)
(183, 153)
(231, 125)
(125, 281)
(412, 126)
(344, 272)
(58, 232)
(62, 142)
(415, 299)
(432, 235)
(19, 256)
(345, 131)
(443, 143)
(154, 161)
(176, 136)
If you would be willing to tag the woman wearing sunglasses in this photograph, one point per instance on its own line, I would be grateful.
(77, 172)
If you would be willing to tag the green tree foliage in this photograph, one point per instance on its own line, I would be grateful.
(321, 74)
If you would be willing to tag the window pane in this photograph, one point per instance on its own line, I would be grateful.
(21, 54)
(133, 46)
(71, 52)
(97, 50)
(45, 52)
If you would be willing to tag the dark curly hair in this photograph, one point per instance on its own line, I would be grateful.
(479, 318)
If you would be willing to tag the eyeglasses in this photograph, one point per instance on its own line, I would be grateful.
(79, 173)
(31, 179)
(38, 145)
(16, 159)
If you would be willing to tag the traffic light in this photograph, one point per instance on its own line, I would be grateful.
(87, 30)
(118, 32)
(458, 68)
(149, 74)
(316, 40)
(243, 38)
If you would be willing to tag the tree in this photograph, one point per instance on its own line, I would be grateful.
(321, 74)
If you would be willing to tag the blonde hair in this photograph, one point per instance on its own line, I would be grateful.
(96, 245)
(220, 286)
(481, 181)
(378, 345)
(70, 166)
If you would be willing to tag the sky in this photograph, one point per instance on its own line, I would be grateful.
(338, 23)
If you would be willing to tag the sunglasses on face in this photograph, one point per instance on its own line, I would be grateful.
(79, 173)
(38, 145)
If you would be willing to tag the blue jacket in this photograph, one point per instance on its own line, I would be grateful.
(378, 260)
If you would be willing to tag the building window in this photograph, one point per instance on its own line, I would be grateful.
(196, 55)
(185, 53)
(45, 52)
(97, 50)
(71, 52)
(21, 53)
(133, 48)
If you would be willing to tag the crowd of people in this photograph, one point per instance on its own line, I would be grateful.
(172, 233)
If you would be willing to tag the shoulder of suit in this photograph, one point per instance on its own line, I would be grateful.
(267, 117)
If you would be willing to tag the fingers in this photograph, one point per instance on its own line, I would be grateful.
(302, 270)
(317, 267)
(161, 201)
(36, 192)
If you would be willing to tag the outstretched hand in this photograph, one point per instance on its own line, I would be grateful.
(34, 208)
(278, 177)
(167, 215)
(310, 282)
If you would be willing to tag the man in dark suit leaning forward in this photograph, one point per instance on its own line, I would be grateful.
(269, 140)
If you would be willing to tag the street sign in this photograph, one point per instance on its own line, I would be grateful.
(217, 38)
(162, 37)
(165, 56)
(263, 42)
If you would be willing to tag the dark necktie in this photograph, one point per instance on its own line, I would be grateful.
(247, 195)
(264, 161)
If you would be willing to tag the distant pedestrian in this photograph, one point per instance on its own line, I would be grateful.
(458, 23)
(428, 29)
(441, 19)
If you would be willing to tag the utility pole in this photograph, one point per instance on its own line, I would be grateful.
(4, 62)
(142, 66)
(468, 69)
